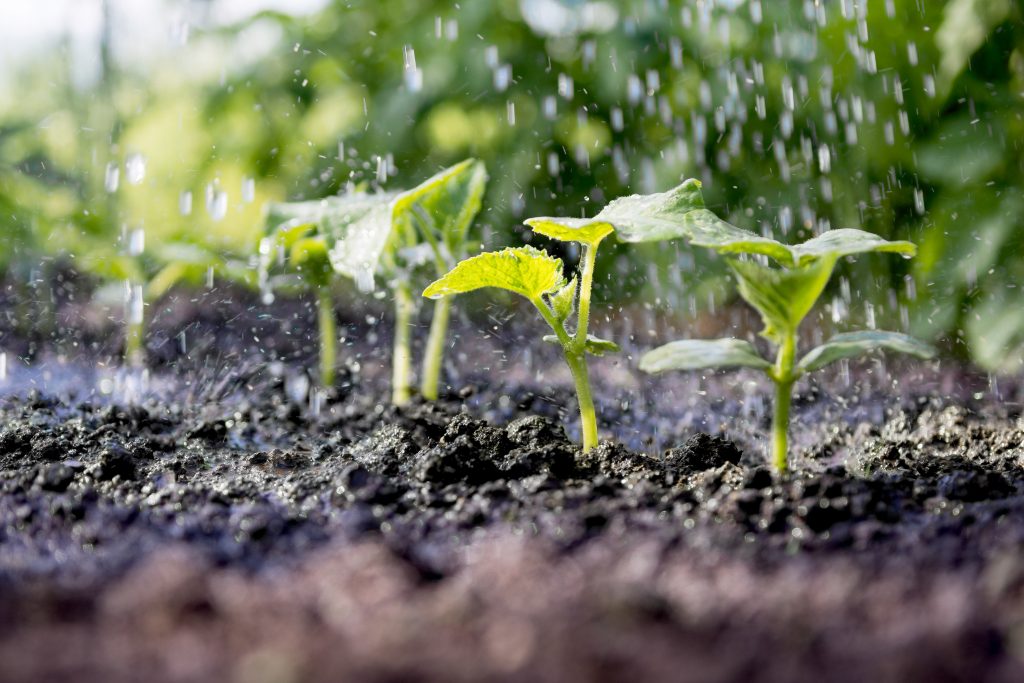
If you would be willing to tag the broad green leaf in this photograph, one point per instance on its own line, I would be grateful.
(523, 270)
(847, 242)
(697, 354)
(449, 201)
(571, 229)
(356, 228)
(727, 239)
(853, 344)
(680, 212)
(783, 296)
(598, 347)
(563, 302)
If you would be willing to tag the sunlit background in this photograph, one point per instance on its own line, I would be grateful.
(138, 133)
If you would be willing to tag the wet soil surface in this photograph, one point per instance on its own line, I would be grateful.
(218, 528)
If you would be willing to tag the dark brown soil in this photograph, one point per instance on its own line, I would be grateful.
(220, 530)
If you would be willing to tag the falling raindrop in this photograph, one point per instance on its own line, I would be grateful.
(185, 203)
(248, 189)
(412, 75)
(112, 177)
(216, 202)
(136, 242)
(134, 168)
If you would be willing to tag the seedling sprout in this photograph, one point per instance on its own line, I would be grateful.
(783, 297)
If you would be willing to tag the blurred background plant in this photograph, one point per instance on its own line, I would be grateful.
(168, 124)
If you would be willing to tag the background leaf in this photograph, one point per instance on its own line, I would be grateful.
(851, 344)
(696, 354)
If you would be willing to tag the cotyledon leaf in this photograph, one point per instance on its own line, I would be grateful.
(523, 270)
(697, 354)
(594, 345)
(571, 229)
(851, 344)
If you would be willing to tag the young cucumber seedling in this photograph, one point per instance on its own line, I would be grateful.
(783, 296)
(141, 277)
(540, 278)
(361, 236)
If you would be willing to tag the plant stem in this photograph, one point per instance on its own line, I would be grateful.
(433, 354)
(588, 418)
(328, 336)
(784, 378)
(586, 282)
(401, 362)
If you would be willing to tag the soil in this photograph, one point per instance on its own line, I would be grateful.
(221, 526)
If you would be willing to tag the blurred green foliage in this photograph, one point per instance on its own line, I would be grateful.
(900, 117)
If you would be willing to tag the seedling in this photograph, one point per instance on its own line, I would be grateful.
(142, 278)
(783, 296)
(392, 235)
(540, 278)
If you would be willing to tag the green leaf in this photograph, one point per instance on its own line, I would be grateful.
(356, 227)
(783, 296)
(965, 26)
(727, 239)
(668, 215)
(450, 200)
(563, 302)
(696, 354)
(598, 347)
(581, 230)
(523, 270)
(594, 345)
(853, 344)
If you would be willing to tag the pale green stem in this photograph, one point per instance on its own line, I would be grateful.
(588, 417)
(328, 336)
(401, 362)
(575, 348)
(784, 378)
(433, 354)
(586, 283)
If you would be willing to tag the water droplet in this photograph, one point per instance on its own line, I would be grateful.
(134, 168)
(216, 202)
(136, 242)
(185, 203)
(511, 109)
(248, 190)
(112, 177)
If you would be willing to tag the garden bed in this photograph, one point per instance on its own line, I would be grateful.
(220, 529)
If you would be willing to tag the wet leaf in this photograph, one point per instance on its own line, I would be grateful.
(783, 296)
(523, 270)
(443, 207)
(853, 344)
(727, 239)
(598, 347)
(696, 354)
(356, 227)
(581, 230)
